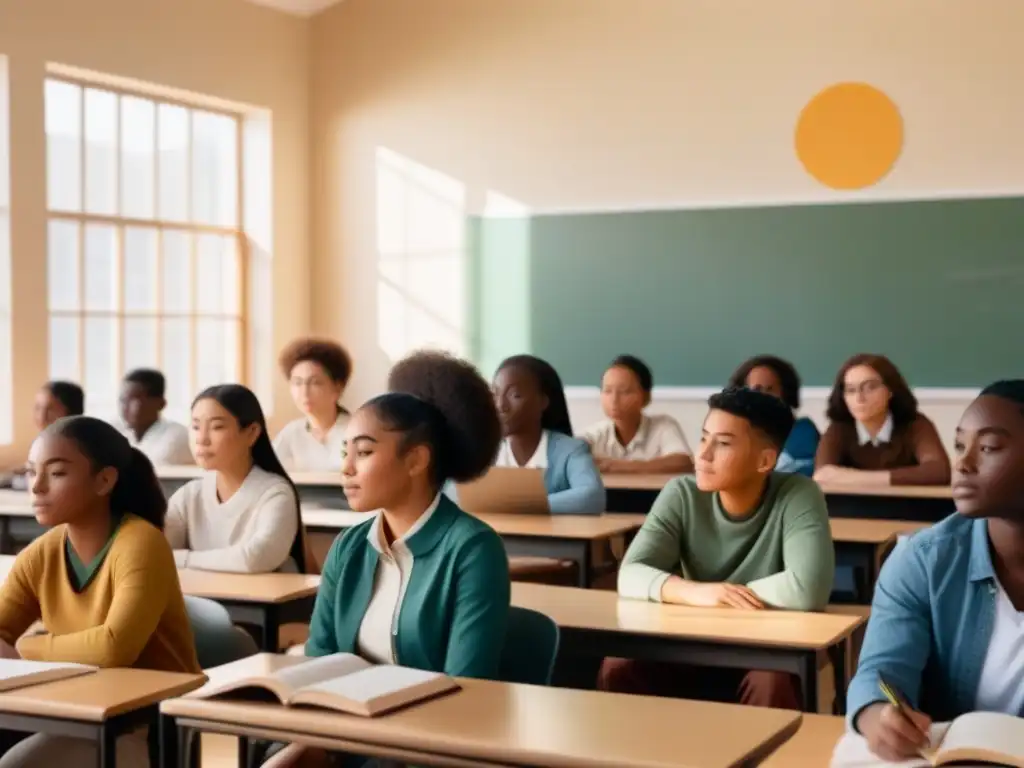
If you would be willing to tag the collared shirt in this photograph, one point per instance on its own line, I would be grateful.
(658, 436)
(300, 451)
(932, 622)
(539, 460)
(884, 434)
(165, 444)
(394, 566)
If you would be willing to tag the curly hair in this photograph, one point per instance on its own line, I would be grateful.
(766, 413)
(783, 370)
(556, 415)
(638, 368)
(443, 402)
(902, 406)
(329, 355)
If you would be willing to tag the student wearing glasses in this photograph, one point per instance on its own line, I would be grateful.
(876, 435)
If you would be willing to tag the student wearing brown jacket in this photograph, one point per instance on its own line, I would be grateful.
(876, 435)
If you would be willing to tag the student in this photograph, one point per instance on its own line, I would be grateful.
(737, 535)
(165, 443)
(876, 435)
(242, 516)
(538, 434)
(422, 584)
(318, 372)
(55, 400)
(630, 441)
(767, 373)
(103, 577)
(945, 620)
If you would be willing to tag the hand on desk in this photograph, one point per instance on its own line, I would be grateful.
(892, 735)
(700, 595)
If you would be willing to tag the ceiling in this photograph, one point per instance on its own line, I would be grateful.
(298, 7)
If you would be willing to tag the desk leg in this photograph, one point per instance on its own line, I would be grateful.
(271, 628)
(837, 655)
(808, 674)
(107, 752)
(6, 540)
(244, 753)
(585, 565)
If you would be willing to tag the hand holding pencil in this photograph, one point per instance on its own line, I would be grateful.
(894, 730)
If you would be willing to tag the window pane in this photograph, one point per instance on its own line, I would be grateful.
(173, 161)
(140, 269)
(100, 277)
(138, 157)
(140, 343)
(175, 359)
(214, 169)
(217, 271)
(217, 352)
(62, 265)
(100, 151)
(63, 146)
(64, 358)
(101, 379)
(176, 274)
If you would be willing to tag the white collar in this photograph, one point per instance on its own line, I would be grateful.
(640, 438)
(884, 434)
(374, 534)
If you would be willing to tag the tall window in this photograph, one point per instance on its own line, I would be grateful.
(145, 250)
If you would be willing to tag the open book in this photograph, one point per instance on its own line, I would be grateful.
(18, 673)
(343, 682)
(977, 738)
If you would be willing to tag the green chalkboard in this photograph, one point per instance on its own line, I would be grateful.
(936, 285)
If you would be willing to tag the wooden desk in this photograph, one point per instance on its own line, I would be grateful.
(490, 723)
(863, 546)
(264, 600)
(314, 487)
(564, 537)
(811, 746)
(99, 706)
(599, 623)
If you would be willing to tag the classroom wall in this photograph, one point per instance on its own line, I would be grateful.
(426, 111)
(229, 49)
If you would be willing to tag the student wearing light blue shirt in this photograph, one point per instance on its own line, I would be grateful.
(538, 434)
(945, 619)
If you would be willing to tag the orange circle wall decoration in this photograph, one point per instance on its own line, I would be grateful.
(849, 136)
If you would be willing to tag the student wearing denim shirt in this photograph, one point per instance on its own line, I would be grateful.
(944, 620)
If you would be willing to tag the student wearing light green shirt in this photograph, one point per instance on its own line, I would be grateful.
(737, 535)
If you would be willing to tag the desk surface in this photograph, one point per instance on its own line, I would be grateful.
(533, 725)
(657, 482)
(811, 746)
(595, 527)
(15, 503)
(98, 696)
(856, 531)
(602, 610)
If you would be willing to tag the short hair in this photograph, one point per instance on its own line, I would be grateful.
(766, 413)
(68, 394)
(150, 380)
(442, 402)
(556, 415)
(638, 368)
(784, 370)
(329, 355)
(902, 406)
(1007, 389)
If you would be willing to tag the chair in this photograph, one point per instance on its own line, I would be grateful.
(218, 640)
(531, 648)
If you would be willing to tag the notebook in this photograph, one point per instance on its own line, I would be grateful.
(505, 491)
(977, 738)
(342, 682)
(19, 673)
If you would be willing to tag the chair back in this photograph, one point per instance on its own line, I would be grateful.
(531, 647)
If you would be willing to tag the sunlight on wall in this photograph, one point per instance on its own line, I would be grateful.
(6, 427)
(421, 257)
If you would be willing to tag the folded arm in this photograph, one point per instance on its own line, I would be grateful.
(586, 494)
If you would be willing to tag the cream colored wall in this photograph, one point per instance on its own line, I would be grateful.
(582, 104)
(230, 49)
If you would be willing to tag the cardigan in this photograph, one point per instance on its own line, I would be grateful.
(571, 478)
(131, 614)
(455, 609)
(931, 621)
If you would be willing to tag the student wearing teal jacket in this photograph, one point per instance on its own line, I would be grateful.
(422, 584)
(538, 434)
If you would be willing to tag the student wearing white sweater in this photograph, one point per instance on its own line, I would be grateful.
(242, 516)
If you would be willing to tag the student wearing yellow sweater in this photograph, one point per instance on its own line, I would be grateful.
(102, 580)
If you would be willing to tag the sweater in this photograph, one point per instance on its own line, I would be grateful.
(914, 453)
(252, 532)
(131, 614)
(782, 551)
(571, 478)
(453, 613)
(801, 445)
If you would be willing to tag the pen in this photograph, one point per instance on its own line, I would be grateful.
(898, 701)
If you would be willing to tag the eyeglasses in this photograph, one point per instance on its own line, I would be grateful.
(868, 387)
